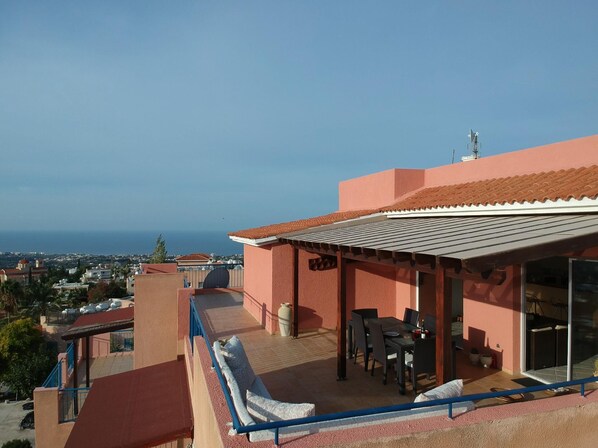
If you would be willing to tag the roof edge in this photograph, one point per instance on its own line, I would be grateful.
(560, 206)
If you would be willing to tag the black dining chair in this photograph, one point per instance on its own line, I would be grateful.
(411, 316)
(430, 323)
(382, 353)
(361, 339)
(366, 313)
(423, 359)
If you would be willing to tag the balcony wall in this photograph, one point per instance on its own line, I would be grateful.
(156, 318)
(560, 419)
(48, 432)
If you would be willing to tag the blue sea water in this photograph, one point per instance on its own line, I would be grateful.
(117, 242)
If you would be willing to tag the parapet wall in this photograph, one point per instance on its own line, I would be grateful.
(559, 421)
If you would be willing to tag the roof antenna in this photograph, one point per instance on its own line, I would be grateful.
(473, 146)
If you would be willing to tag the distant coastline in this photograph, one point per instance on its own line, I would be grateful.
(117, 242)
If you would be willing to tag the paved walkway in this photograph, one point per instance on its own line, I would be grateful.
(11, 415)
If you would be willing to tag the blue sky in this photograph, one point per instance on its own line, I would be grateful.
(228, 115)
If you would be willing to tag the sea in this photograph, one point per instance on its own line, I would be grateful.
(117, 242)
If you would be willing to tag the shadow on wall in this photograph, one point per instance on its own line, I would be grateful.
(478, 340)
(308, 319)
(218, 278)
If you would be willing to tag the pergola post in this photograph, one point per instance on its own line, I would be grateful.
(295, 264)
(444, 352)
(341, 322)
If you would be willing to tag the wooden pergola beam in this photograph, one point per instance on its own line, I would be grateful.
(422, 263)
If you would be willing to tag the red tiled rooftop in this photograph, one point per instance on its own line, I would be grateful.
(575, 183)
(194, 257)
(293, 226)
(105, 317)
(158, 268)
(144, 407)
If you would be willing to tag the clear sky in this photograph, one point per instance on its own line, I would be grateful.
(226, 115)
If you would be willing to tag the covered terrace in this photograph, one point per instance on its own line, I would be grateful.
(484, 250)
(85, 329)
(300, 369)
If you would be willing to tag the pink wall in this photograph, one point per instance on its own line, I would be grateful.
(317, 295)
(257, 287)
(405, 292)
(491, 318)
(156, 318)
(386, 187)
(557, 156)
(379, 189)
(371, 286)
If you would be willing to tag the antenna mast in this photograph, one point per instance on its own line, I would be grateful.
(473, 146)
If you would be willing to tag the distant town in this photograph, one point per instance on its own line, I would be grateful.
(11, 259)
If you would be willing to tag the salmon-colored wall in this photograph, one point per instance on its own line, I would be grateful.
(492, 319)
(371, 286)
(156, 318)
(405, 292)
(317, 295)
(183, 297)
(257, 288)
(557, 156)
(386, 187)
(48, 432)
(378, 189)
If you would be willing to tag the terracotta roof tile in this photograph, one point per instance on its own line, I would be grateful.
(194, 257)
(293, 226)
(574, 183)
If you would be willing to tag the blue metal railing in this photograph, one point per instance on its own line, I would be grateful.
(54, 379)
(70, 357)
(196, 329)
(70, 403)
(195, 325)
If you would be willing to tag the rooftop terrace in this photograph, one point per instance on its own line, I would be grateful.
(304, 369)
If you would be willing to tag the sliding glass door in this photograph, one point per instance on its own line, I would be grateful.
(583, 318)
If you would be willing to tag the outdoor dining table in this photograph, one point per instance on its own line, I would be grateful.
(405, 343)
(399, 336)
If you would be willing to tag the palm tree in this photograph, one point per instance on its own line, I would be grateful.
(39, 297)
(11, 293)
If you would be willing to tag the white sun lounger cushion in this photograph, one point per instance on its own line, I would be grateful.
(267, 410)
(452, 389)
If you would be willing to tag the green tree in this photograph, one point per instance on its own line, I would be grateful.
(105, 290)
(18, 339)
(26, 373)
(11, 294)
(25, 358)
(159, 255)
(17, 443)
(39, 297)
